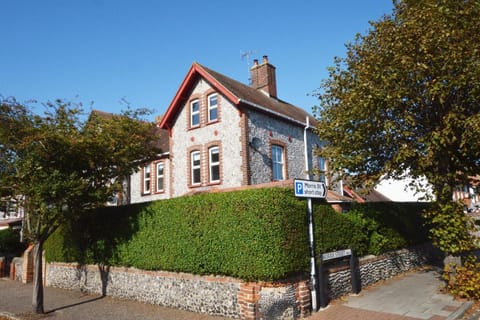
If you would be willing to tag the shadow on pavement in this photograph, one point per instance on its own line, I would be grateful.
(75, 304)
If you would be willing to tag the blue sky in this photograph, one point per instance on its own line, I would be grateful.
(103, 51)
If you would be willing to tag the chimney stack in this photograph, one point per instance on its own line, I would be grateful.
(263, 77)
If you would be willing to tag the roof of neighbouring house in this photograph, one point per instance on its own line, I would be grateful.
(11, 222)
(365, 195)
(238, 93)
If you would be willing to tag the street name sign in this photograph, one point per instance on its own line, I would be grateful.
(336, 254)
(309, 189)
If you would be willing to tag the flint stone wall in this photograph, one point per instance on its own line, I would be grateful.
(16, 269)
(373, 269)
(225, 296)
(212, 295)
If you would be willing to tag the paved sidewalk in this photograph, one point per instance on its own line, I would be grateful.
(412, 296)
(16, 299)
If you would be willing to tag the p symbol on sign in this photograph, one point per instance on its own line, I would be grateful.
(299, 187)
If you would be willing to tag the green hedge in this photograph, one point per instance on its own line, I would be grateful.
(10, 243)
(257, 234)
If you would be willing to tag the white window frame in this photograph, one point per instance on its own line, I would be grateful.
(147, 179)
(160, 176)
(194, 167)
(278, 150)
(212, 164)
(193, 113)
(212, 107)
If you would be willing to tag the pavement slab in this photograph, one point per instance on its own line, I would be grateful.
(412, 296)
(415, 295)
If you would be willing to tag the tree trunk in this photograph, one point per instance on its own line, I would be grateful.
(37, 298)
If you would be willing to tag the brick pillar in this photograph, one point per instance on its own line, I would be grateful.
(27, 274)
(13, 270)
(303, 299)
(2, 266)
(248, 297)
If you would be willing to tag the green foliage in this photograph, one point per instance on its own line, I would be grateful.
(450, 228)
(464, 281)
(58, 165)
(257, 234)
(10, 242)
(406, 98)
(406, 101)
(372, 228)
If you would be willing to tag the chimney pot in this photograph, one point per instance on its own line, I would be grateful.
(255, 62)
(265, 59)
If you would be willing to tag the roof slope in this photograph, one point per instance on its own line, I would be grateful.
(238, 93)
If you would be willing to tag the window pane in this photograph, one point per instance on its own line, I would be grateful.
(195, 113)
(195, 106)
(277, 172)
(321, 164)
(214, 155)
(215, 173)
(195, 119)
(160, 177)
(322, 167)
(277, 162)
(146, 170)
(196, 158)
(212, 107)
(214, 164)
(195, 165)
(146, 179)
(196, 176)
(213, 114)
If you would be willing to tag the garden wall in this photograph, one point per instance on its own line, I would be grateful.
(227, 296)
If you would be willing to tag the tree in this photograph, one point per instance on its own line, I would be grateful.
(60, 166)
(406, 99)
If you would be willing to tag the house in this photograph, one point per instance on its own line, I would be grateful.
(218, 133)
(11, 214)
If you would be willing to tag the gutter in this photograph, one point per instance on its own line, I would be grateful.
(278, 114)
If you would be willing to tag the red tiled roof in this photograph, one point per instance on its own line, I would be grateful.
(238, 93)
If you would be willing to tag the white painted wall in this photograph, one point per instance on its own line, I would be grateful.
(399, 190)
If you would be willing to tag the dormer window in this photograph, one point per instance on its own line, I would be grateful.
(194, 113)
(212, 107)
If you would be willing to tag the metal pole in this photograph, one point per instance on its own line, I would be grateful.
(354, 274)
(313, 267)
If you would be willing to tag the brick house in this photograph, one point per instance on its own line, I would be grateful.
(218, 133)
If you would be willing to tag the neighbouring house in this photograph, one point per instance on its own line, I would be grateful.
(218, 133)
(404, 190)
(11, 214)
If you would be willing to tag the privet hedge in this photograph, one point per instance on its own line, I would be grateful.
(10, 242)
(257, 234)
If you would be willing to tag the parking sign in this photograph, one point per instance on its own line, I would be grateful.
(310, 189)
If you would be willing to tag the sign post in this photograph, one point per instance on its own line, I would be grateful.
(311, 189)
(354, 272)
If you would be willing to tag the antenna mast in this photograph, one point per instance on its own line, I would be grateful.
(245, 55)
